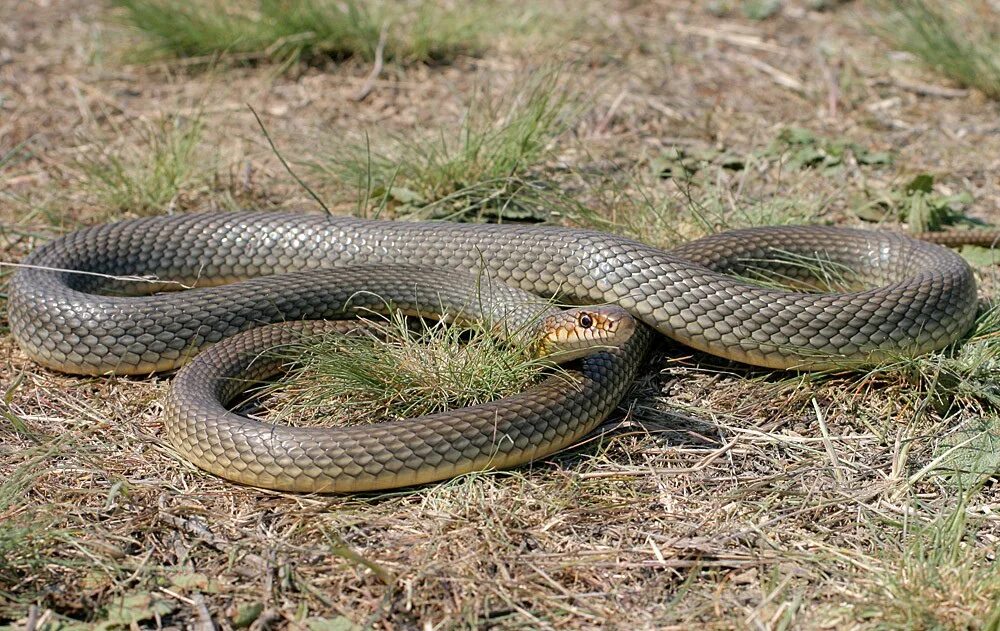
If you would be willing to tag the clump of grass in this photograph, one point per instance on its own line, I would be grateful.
(943, 579)
(29, 548)
(30, 541)
(309, 30)
(491, 165)
(953, 398)
(395, 372)
(148, 174)
(949, 37)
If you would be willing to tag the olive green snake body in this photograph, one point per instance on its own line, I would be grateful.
(67, 312)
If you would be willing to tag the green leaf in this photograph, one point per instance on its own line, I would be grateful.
(704, 155)
(807, 157)
(340, 623)
(674, 163)
(195, 581)
(973, 453)
(977, 255)
(732, 161)
(246, 614)
(406, 196)
(797, 136)
(874, 158)
(923, 183)
(134, 608)
(760, 9)
(875, 211)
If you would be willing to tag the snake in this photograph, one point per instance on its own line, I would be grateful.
(104, 300)
(527, 426)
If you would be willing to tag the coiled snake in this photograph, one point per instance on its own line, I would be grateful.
(252, 269)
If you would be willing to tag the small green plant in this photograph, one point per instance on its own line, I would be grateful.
(970, 453)
(491, 165)
(967, 374)
(794, 148)
(761, 9)
(308, 30)
(751, 9)
(800, 148)
(949, 37)
(920, 206)
(150, 174)
(681, 162)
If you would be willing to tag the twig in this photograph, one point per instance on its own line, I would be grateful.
(661, 107)
(832, 87)
(173, 594)
(780, 77)
(206, 536)
(828, 444)
(737, 39)
(204, 617)
(369, 84)
(212, 59)
(702, 464)
(285, 164)
(32, 623)
(100, 95)
(339, 548)
(926, 89)
(612, 109)
(131, 279)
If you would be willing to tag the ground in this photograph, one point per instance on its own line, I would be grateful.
(718, 494)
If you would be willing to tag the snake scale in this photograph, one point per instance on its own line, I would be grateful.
(256, 268)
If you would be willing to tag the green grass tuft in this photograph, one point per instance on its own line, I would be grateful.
(310, 30)
(395, 373)
(491, 165)
(942, 579)
(951, 38)
(149, 175)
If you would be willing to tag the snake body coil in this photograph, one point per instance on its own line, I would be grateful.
(925, 299)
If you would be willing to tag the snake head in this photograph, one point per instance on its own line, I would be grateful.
(575, 333)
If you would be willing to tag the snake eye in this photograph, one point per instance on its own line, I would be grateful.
(585, 321)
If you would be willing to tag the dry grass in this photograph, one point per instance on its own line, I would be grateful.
(719, 495)
(959, 40)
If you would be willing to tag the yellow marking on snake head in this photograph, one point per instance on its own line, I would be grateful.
(575, 333)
